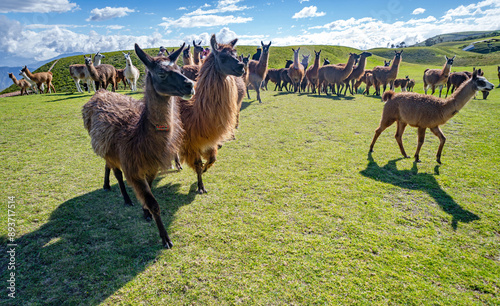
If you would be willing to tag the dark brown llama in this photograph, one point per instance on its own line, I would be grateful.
(357, 72)
(140, 138)
(258, 70)
(103, 75)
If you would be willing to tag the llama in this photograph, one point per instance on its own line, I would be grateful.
(197, 50)
(274, 75)
(498, 69)
(22, 83)
(335, 74)
(258, 70)
(411, 84)
(312, 72)
(246, 75)
(403, 83)
(209, 118)
(366, 78)
(120, 77)
(384, 75)
(79, 72)
(296, 71)
(456, 79)
(40, 78)
(131, 72)
(32, 83)
(140, 137)
(326, 62)
(437, 77)
(285, 79)
(187, 57)
(102, 74)
(305, 63)
(424, 112)
(357, 72)
(387, 63)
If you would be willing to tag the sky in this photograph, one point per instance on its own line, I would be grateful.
(38, 30)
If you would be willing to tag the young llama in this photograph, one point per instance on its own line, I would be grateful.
(437, 77)
(140, 137)
(386, 75)
(258, 70)
(22, 83)
(40, 78)
(209, 118)
(296, 71)
(426, 112)
(131, 72)
(80, 72)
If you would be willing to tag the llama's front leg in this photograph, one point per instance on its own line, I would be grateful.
(257, 89)
(442, 139)
(119, 178)
(399, 137)
(149, 202)
(78, 86)
(177, 162)
(198, 164)
(383, 125)
(106, 185)
(421, 138)
(211, 156)
(440, 90)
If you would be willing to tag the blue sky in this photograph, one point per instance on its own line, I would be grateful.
(37, 30)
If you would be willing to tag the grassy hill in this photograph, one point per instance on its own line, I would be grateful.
(457, 36)
(297, 212)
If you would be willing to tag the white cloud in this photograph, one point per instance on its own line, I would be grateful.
(182, 8)
(108, 13)
(115, 27)
(302, 1)
(309, 11)
(202, 21)
(36, 6)
(418, 11)
(223, 6)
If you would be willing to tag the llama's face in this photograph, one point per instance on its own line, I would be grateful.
(88, 60)
(226, 58)
(480, 82)
(265, 48)
(397, 55)
(305, 59)
(186, 52)
(449, 61)
(317, 54)
(165, 75)
(366, 54)
(11, 75)
(387, 63)
(197, 47)
(288, 63)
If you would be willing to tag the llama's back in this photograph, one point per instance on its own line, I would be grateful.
(106, 115)
(382, 74)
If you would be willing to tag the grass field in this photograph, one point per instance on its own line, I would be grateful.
(297, 212)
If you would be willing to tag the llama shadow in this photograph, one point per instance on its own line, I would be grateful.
(91, 246)
(244, 105)
(411, 179)
(332, 97)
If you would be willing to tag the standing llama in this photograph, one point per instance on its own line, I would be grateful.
(209, 118)
(197, 50)
(22, 83)
(40, 78)
(140, 137)
(336, 74)
(296, 71)
(312, 72)
(102, 75)
(131, 72)
(80, 72)
(258, 70)
(437, 77)
(187, 57)
(403, 83)
(120, 77)
(456, 79)
(356, 74)
(423, 111)
(386, 75)
(411, 84)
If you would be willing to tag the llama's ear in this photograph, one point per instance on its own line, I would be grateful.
(213, 44)
(145, 58)
(233, 42)
(454, 56)
(262, 44)
(474, 73)
(175, 54)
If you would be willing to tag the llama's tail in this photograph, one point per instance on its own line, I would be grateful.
(388, 95)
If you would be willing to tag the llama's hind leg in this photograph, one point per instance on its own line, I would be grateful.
(442, 139)
(198, 165)
(383, 125)
(119, 178)
(421, 138)
(106, 185)
(143, 192)
(399, 137)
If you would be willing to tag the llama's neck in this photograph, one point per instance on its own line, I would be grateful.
(446, 70)
(350, 64)
(296, 62)
(362, 63)
(97, 60)
(93, 72)
(158, 110)
(459, 98)
(28, 73)
(395, 64)
(262, 64)
(187, 60)
(197, 57)
(14, 79)
(316, 62)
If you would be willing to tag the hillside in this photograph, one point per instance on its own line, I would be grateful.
(429, 56)
(458, 36)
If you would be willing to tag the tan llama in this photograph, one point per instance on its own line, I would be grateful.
(437, 77)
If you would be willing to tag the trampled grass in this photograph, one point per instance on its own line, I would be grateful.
(297, 211)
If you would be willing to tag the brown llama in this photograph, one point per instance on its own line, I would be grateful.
(187, 57)
(456, 79)
(285, 79)
(274, 75)
(335, 74)
(356, 73)
(197, 51)
(80, 72)
(296, 71)
(312, 72)
(403, 83)
(40, 78)
(423, 111)
(384, 75)
(209, 118)
(387, 63)
(305, 63)
(22, 83)
(103, 75)
(140, 137)
(120, 77)
(437, 77)
(258, 70)
(411, 84)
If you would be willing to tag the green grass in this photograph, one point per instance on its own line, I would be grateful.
(297, 212)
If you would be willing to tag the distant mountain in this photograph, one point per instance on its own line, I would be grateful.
(5, 81)
(458, 36)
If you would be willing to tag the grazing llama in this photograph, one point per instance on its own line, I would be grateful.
(357, 72)
(258, 70)
(384, 75)
(296, 71)
(22, 83)
(131, 72)
(102, 75)
(140, 137)
(426, 112)
(437, 77)
(209, 118)
(79, 72)
(40, 78)
(336, 74)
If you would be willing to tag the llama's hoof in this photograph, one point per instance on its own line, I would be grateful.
(438, 161)
(168, 244)
(202, 190)
(106, 188)
(129, 203)
(147, 215)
